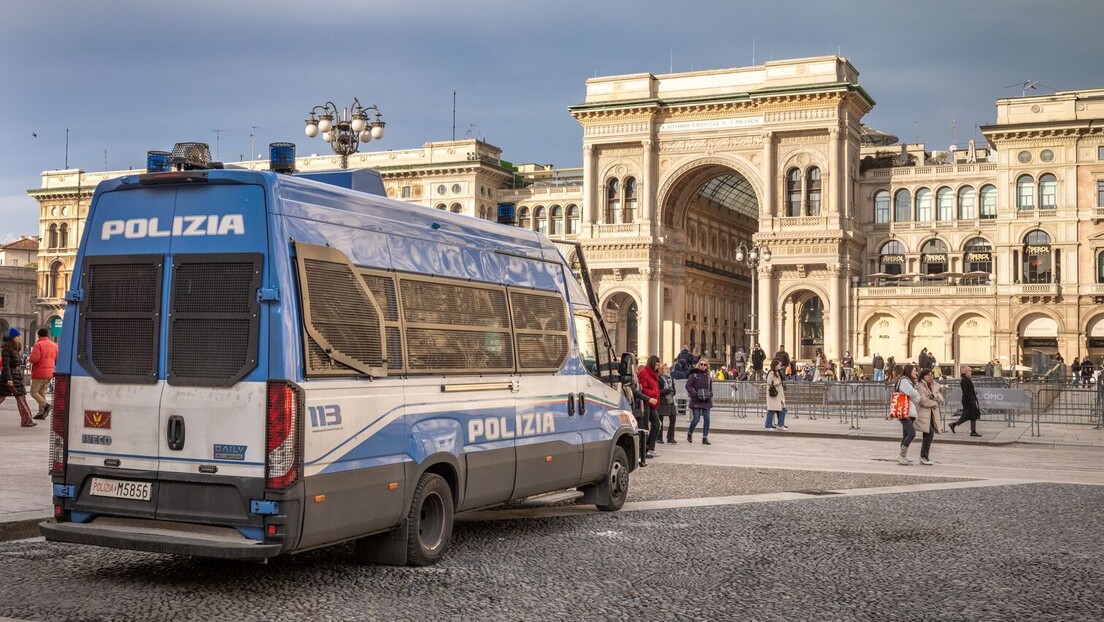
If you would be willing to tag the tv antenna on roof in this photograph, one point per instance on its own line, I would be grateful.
(1026, 84)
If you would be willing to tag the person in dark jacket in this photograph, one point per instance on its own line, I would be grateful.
(784, 359)
(11, 376)
(1075, 369)
(667, 409)
(1086, 372)
(686, 357)
(700, 389)
(681, 370)
(879, 368)
(971, 410)
(649, 386)
(758, 357)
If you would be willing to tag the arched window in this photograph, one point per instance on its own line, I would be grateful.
(1100, 267)
(540, 219)
(881, 207)
(556, 215)
(1025, 192)
(572, 220)
(977, 258)
(812, 185)
(944, 204)
(902, 206)
(456, 208)
(1038, 260)
(53, 236)
(1048, 192)
(442, 206)
(923, 205)
(630, 199)
(892, 257)
(967, 203)
(613, 201)
(523, 218)
(63, 236)
(988, 202)
(55, 287)
(793, 192)
(933, 257)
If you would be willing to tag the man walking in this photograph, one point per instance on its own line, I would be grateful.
(971, 410)
(43, 356)
(758, 357)
(879, 368)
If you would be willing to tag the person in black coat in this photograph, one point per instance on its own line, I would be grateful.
(758, 357)
(971, 410)
(11, 376)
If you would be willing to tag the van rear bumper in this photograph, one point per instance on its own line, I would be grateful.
(161, 537)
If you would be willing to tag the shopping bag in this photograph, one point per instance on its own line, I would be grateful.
(899, 406)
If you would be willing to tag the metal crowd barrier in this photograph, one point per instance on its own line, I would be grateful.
(851, 402)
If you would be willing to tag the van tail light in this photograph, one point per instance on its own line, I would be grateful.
(59, 424)
(283, 451)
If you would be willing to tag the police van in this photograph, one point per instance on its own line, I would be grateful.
(255, 363)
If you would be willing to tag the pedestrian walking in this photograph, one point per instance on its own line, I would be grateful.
(11, 376)
(820, 364)
(1086, 372)
(649, 386)
(740, 361)
(907, 384)
(784, 358)
(43, 357)
(776, 397)
(758, 357)
(667, 409)
(929, 414)
(847, 366)
(1075, 370)
(971, 410)
(700, 389)
(879, 368)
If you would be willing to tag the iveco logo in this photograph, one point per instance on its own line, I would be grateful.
(200, 224)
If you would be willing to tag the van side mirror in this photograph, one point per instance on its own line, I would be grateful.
(624, 368)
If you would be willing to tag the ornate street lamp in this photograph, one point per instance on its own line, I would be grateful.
(345, 131)
(752, 257)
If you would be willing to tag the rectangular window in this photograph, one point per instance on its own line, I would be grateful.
(1100, 152)
(453, 326)
(923, 207)
(989, 204)
(214, 294)
(118, 339)
(406, 192)
(881, 208)
(1100, 194)
(3, 301)
(946, 206)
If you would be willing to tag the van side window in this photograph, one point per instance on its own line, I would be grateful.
(588, 345)
(342, 322)
(540, 323)
(455, 327)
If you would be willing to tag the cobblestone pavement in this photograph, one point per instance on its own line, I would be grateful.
(1006, 552)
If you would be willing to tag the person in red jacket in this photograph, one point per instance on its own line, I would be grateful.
(43, 356)
(649, 386)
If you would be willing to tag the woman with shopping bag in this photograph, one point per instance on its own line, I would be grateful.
(902, 406)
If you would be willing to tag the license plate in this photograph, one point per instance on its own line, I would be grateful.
(121, 489)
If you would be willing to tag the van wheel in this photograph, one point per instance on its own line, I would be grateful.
(429, 521)
(616, 486)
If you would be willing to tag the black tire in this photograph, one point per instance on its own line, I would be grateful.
(429, 522)
(616, 485)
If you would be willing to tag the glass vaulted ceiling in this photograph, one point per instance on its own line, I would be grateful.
(733, 192)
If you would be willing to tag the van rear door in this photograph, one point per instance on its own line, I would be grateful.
(212, 412)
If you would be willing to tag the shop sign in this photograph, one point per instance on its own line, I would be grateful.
(893, 259)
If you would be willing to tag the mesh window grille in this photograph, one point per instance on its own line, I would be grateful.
(383, 288)
(540, 322)
(456, 327)
(215, 321)
(118, 338)
(343, 321)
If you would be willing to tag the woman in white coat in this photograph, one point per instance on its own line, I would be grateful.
(906, 384)
(776, 404)
(929, 415)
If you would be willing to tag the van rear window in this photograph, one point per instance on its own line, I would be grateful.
(215, 321)
(118, 335)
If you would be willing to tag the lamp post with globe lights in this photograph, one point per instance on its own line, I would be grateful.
(752, 257)
(346, 129)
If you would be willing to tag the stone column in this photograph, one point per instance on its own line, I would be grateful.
(651, 311)
(766, 309)
(767, 208)
(833, 326)
(835, 174)
(591, 206)
(647, 191)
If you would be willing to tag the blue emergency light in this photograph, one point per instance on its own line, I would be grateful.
(158, 161)
(507, 213)
(281, 157)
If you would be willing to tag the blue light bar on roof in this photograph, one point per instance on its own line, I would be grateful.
(158, 161)
(281, 157)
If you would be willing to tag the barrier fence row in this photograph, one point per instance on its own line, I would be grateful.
(852, 402)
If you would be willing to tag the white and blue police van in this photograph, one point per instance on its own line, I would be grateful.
(256, 363)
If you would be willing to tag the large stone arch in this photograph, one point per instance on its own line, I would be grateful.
(621, 308)
(975, 337)
(691, 174)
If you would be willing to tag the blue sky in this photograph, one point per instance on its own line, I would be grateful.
(126, 77)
